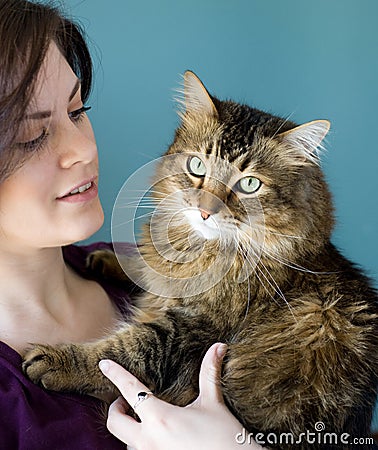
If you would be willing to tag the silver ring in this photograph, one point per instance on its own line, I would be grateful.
(142, 396)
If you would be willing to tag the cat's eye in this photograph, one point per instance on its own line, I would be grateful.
(249, 185)
(196, 166)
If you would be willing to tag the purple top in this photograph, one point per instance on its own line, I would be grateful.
(35, 419)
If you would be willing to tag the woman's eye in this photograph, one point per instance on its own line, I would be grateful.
(196, 166)
(78, 114)
(249, 185)
(34, 144)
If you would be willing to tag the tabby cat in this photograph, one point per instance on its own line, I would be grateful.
(239, 251)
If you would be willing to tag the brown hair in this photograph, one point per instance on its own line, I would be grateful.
(26, 30)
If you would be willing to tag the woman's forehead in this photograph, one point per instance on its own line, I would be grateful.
(55, 80)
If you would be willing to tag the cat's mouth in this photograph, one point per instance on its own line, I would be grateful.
(207, 226)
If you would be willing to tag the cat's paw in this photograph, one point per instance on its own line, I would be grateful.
(105, 264)
(49, 367)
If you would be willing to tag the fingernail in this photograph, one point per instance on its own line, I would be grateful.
(104, 366)
(221, 350)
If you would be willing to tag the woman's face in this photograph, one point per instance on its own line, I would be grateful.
(36, 207)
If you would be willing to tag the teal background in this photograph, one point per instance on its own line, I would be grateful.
(307, 59)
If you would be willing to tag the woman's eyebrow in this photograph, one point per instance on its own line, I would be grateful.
(38, 115)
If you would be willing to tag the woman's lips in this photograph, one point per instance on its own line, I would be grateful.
(83, 193)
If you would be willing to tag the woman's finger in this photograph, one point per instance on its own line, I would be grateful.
(210, 374)
(121, 425)
(135, 392)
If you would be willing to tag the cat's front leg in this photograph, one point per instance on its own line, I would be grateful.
(69, 368)
(165, 355)
(74, 367)
(143, 349)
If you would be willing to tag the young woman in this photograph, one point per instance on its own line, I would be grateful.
(49, 200)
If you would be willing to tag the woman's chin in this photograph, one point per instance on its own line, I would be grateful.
(85, 227)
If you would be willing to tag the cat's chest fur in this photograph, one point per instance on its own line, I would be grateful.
(226, 295)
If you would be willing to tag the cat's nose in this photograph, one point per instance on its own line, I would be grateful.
(209, 204)
(204, 214)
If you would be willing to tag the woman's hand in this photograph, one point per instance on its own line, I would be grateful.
(204, 424)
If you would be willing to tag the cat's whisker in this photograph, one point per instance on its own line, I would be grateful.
(273, 284)
(292, 265)
(263, 284)
(138, 202)
(146, 191)
(287, 118)
(287, 262)
(126, 222)
(256, 264)
(148, 203)
(280, 259)
(265, 229)
(248, 280)
(276, 287)
(248, 298)
(154, 196)
(137, 207)
(290, 236)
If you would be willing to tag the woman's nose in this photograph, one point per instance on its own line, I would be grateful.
(77, 145)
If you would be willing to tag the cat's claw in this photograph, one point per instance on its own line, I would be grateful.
(48, 367)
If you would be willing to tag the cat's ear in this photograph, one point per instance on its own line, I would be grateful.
(196, 98)
(307, 139)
